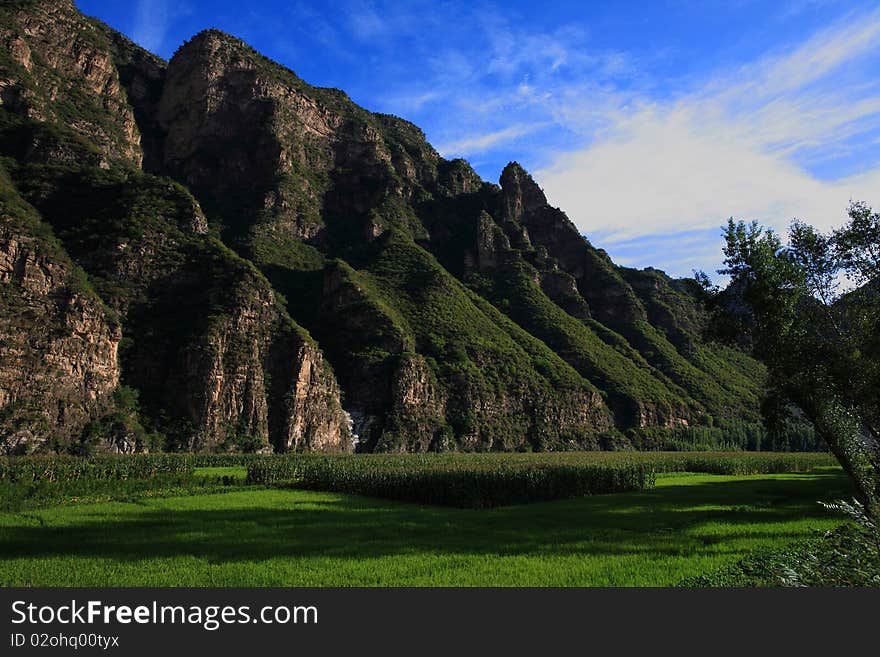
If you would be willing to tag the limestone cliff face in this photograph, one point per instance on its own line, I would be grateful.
(514, 419)
(253, 374)
(208, 344)
(58, 347)
(562, 288)
(659, 320)
(295, 164)
(418, 412)
(670, 305)
(251, 136)
(219, 122)
(286, 163)
(142, 76)
(312, 418)
(492, 244)
(274, 154)
(409, 389)
(217, 360)
(365, 342)
(500, 420)
(52, 54)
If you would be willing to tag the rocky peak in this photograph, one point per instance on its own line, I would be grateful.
(520, 193)
(611, 298)
(211, 39)
(458, 177)
(216, 50)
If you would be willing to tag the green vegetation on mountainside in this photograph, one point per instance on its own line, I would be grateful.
(474, 350)
(626, 384)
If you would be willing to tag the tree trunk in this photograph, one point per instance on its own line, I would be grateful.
(857, 452)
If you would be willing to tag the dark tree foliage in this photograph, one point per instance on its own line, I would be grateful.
(810, 310)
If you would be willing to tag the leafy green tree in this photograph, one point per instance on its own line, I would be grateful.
(820, 340)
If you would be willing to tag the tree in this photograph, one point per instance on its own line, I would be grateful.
(821, 346)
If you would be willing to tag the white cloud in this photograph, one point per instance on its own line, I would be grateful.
(486, 79)
(481, 143)
(151, 22)
(738, 146)
(364, 21)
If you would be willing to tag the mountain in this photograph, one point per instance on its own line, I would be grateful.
(209, 253)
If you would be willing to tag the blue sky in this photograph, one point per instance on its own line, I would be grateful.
(649, 123)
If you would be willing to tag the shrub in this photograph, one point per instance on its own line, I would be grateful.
(846, 556)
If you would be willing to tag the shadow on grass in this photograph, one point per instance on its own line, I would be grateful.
(660, 521)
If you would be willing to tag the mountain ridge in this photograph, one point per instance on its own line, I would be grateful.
(288, 267)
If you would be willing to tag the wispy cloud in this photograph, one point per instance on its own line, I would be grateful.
(481, 143)
(796, 7)
(634, 140)
(364, 20)
(487, 81)
(739, 145)
(627, 154)
(152, 18)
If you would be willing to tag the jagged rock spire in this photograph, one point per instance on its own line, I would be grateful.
(521, 193)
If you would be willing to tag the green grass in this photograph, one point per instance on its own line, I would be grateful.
(237, 473)
(688, 525)
(847, 556)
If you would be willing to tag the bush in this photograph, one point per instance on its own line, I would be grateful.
(846, 556)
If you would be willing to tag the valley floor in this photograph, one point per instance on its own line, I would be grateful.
(688, 525)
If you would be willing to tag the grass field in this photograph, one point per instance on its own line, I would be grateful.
(687, 525)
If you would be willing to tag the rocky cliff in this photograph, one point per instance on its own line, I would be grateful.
(58, 68)
(283, 263)
(58, 343)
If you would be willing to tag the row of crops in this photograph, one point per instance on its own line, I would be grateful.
(59, 469)
(486, 480)
(465, 480)
(39, 481)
